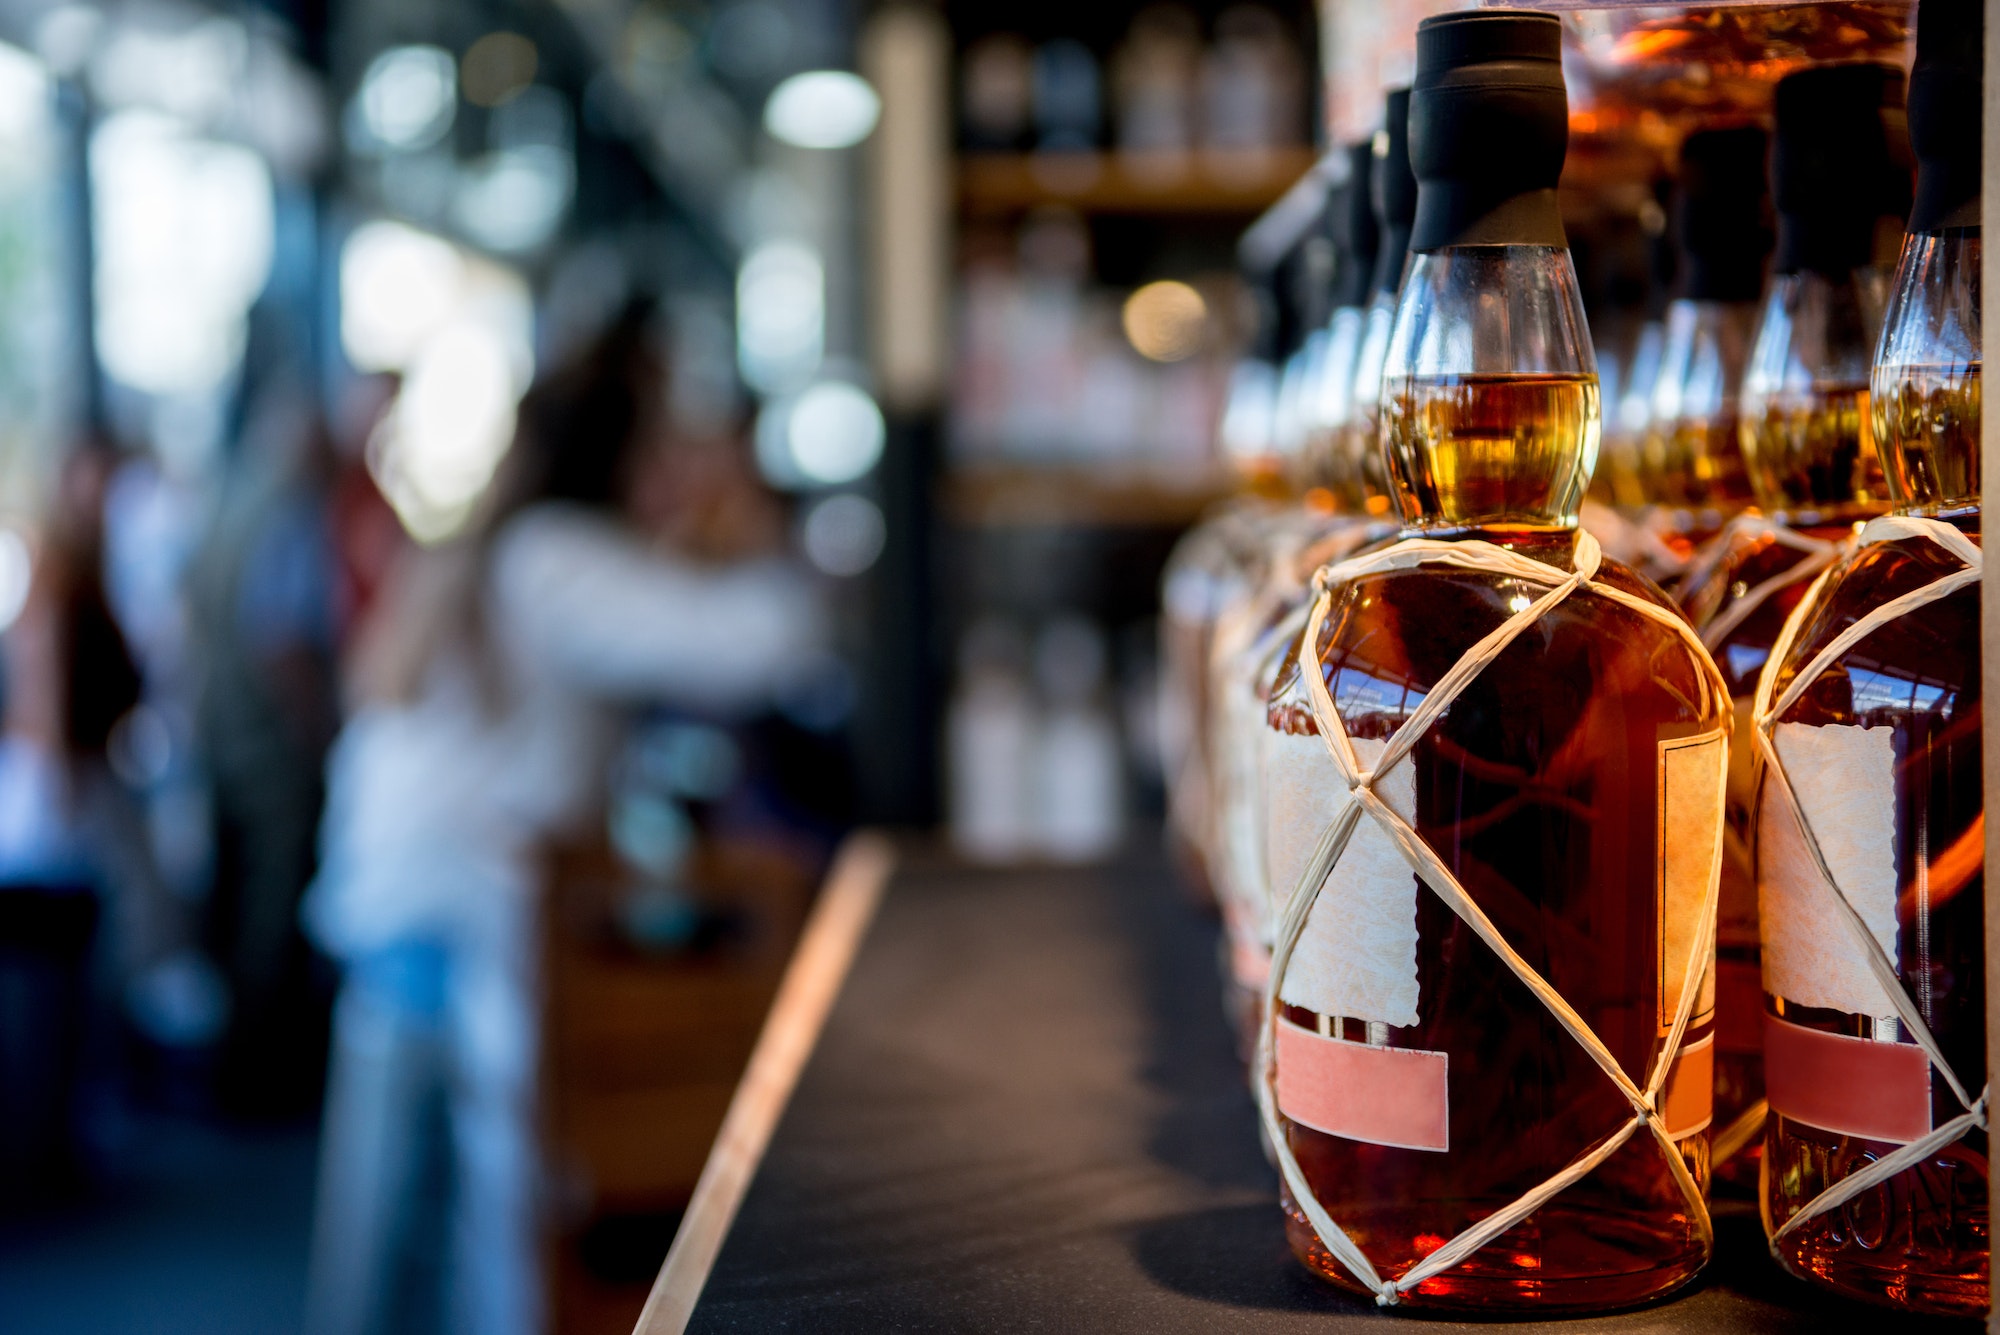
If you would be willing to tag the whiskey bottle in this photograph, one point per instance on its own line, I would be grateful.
(1695, 452)
(1251, 634)
(1494, 789)
(1871, 826)
(1692, 451)
(1351, 217)
(1215, 565)
(1393, 191)
(1805, 441)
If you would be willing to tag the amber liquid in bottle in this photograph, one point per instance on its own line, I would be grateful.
(1526, 788)
(1812, 453)
(1921, 1239)
(1511, 444)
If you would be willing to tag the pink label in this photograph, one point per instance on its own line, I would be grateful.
(1382, 1096)
(1688, 1103)
(1849, 1086)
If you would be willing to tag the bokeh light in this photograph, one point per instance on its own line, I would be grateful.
(822, 109)
(843, 534)
(1165, 321)
(409, 96)
(496, 68)
(835, 432)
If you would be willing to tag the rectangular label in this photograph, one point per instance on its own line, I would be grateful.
(1849, 1086)
(1380, 1096)
(1690, 833)
(1687, 1104)
(1845, 780)
(1358, 954)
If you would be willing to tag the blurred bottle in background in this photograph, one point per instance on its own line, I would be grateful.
(1154, 75)
(1079, 780)
(991, 728)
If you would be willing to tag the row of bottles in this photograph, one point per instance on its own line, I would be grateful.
(1545, 889)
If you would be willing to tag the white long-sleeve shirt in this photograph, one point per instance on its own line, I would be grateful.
(435, 809)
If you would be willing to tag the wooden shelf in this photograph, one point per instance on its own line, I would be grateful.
(1001, 184)
(1020, 497)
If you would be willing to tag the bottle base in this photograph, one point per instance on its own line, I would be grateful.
(1888, 1284)
(1562, 1260)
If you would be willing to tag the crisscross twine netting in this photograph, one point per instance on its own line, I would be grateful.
(1815, 555)
(1644, 1099)
(1768, 714)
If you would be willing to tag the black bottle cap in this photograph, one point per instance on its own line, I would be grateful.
(1945, 113)
(1833, 170)
(1489, 127)
(1392, 186)
(1355, 234)
(1724, 229)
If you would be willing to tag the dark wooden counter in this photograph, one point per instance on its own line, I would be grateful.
(1024, 1114)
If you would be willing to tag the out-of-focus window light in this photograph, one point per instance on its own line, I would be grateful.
(66, 35)
(24, 96)
(1164, 321)
(37, 385)
(822, 109)
(15, 570)
(459, 330)
(780, 315)
(193, 71)
(397, 287)
(835, 432)
(496, 68)
(408, 97)
(184, 232)
(843, 534)
(437, 449)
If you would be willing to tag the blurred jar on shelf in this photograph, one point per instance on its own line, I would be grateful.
(1253, 93)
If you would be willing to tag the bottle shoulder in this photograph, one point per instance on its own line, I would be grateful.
(1391, 636)
(1923, 662)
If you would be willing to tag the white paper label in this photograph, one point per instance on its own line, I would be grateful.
(1358, 954)
(1845, 780)
(1691, 781)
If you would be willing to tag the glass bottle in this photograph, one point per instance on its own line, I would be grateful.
(1692, 448)
(1393, 191)
(1351, 217)
(1524, 786)
(1694, 451)
(1271, 543)
(1883, 750)
(1211, 568)
(1804, 437)
(1248, 637)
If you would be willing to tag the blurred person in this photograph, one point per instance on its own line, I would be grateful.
(67, 840)
(261, 598)
(488, 694)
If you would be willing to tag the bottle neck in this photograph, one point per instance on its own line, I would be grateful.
(1490, 410)
(1804, 411)
(1925, 389)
